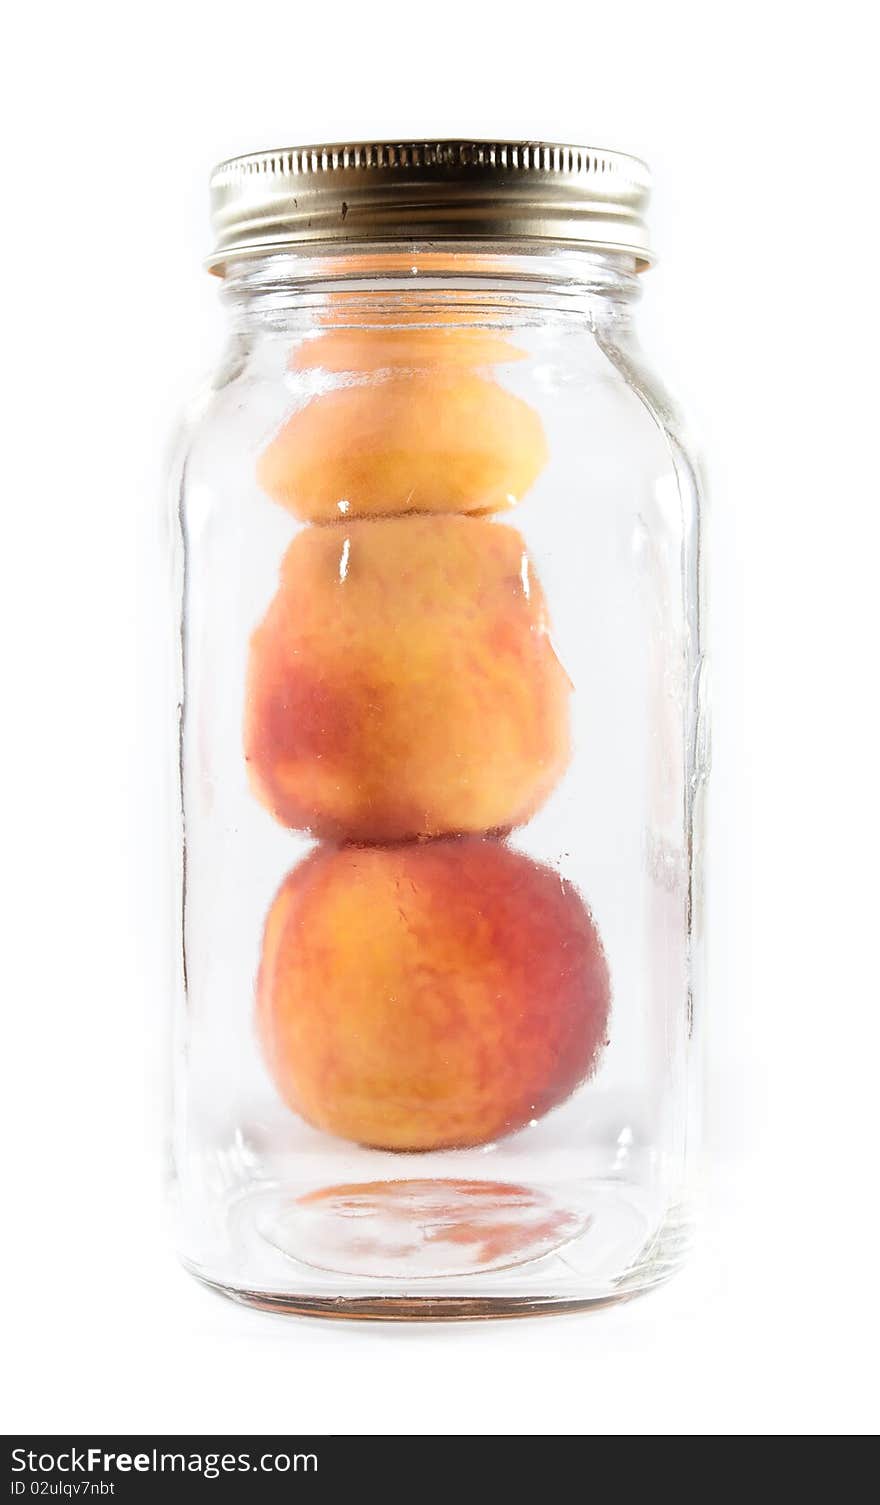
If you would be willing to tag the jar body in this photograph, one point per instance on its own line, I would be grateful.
(442, 754)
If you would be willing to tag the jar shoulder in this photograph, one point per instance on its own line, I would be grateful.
(603, 406)
(663, 408)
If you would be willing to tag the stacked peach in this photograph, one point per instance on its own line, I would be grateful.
(422, 985)
(418, 430)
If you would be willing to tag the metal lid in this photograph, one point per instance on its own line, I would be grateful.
(364, 192)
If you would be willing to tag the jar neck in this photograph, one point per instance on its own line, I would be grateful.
(475, 282)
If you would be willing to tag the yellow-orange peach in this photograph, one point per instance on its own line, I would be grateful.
(439, 439)
(386, 345)
(403, 683)
(429, 996)
(450, 263)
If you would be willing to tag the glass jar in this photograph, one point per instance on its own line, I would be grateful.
(443, 743)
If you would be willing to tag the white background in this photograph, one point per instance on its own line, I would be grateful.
(760, 123)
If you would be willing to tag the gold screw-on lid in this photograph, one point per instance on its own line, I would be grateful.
(364, 192)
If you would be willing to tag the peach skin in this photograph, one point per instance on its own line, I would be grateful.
(431, 996)
(403, 683)
(438, 439)
(394, 346)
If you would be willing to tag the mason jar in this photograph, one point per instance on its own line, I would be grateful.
(437, 552)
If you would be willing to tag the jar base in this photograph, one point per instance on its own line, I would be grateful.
(414, 1309)
(445, 1251)
(418, 1228)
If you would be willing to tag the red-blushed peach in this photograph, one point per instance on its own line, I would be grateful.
(403, 683)
(438, 439)
(429, 996)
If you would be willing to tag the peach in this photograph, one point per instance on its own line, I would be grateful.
(386, 345)
(442, 438)
(380, 261)
(403, 683)
(429, 996)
